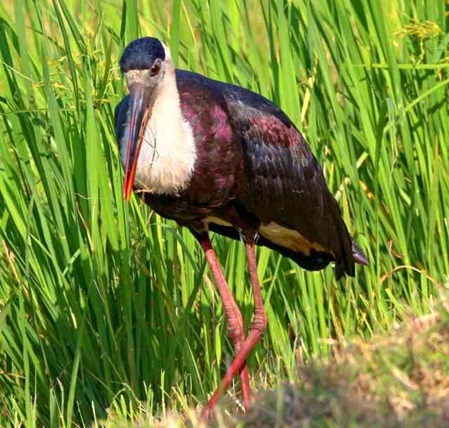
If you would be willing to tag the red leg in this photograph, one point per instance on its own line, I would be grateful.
(233, 316)
(258, 326)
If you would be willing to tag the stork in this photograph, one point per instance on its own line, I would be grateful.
(217, 157)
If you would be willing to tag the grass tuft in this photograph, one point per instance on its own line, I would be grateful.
(399, 379)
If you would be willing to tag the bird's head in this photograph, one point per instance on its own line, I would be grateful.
(143, 64)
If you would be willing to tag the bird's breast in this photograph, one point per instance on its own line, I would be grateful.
(167, 157)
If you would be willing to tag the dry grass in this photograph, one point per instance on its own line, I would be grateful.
(397, 380)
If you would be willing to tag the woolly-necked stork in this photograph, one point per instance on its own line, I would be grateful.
(217, 157)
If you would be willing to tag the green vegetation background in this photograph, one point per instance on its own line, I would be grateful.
(104, 305)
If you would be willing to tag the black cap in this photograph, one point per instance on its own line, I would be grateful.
(140, 54)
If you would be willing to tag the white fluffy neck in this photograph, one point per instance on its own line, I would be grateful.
(167, 156)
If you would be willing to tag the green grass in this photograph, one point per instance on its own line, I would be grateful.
(103, 304)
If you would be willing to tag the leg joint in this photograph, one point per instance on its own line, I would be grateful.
(260, 321)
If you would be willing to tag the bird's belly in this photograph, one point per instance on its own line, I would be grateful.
(288, 238)
(181, 210)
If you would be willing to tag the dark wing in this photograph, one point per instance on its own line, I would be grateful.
(286, 186)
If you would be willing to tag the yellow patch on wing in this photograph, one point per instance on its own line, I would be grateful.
(289, 238)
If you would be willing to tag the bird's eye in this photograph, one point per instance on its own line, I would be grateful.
(155, 68)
